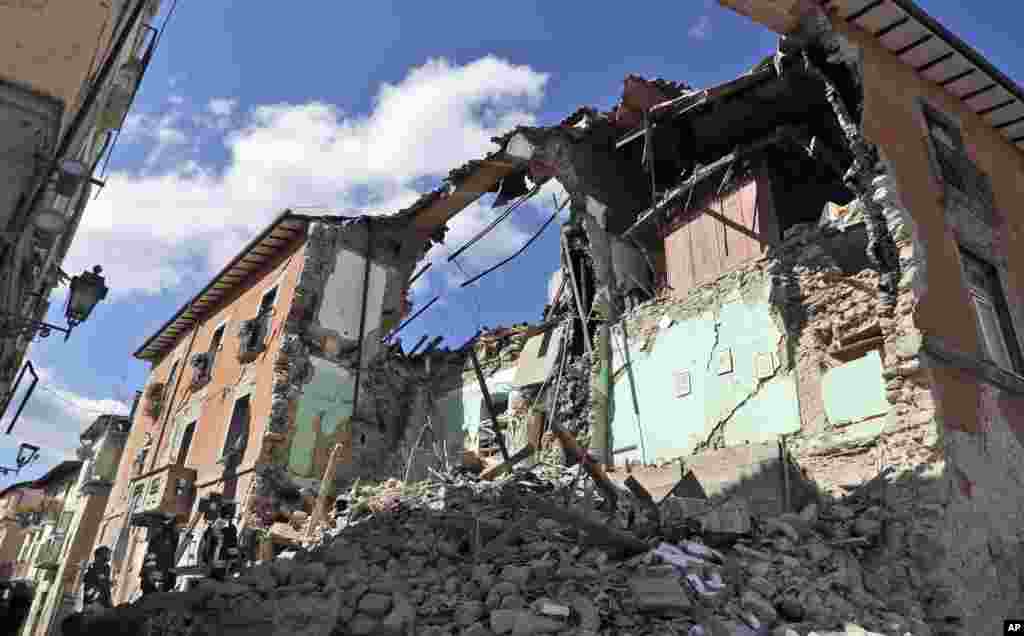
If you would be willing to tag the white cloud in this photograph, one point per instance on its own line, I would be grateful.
(175, 100)
(54, 416)
(222, 106)
(701, 29)
(154, 231)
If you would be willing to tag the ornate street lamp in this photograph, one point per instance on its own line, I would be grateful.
(86, 291)
(27, 453)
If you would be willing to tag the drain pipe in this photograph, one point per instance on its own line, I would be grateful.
(362, 318)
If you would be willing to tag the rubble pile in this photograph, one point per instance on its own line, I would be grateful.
(456, 556)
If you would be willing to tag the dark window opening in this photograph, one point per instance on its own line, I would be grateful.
(186, 443)
(215, 342)
(267, 302)
(170, 378)
(800, 190)
(237, 438)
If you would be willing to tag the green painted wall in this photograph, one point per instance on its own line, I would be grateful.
(329, 395)
(753, 410)
(855, 391)
(460, 409)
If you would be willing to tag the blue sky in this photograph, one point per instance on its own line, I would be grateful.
(247, 109)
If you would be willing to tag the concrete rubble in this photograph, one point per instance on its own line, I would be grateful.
(457, 556)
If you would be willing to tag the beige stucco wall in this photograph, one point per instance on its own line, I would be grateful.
(52, 46)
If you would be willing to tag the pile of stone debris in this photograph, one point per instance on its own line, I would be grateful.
(531, 554)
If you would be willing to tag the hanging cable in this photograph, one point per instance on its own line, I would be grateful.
(520, 250)
(70, 403)
(493, 224)
(411, 318)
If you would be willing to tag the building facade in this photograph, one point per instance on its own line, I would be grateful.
(48, 536)
(102, 443)
(834, 231)
(16, 501)
(254, 382)
(949, 130)
(69, 73)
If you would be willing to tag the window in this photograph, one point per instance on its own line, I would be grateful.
(237, 437)
(268, 300)
(174, 373)
(186, 443)
(215, 341)
(253, 332)
(954, 166)
(995, 330)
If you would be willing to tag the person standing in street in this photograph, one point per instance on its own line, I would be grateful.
(97, 583)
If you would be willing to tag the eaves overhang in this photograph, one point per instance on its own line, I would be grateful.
(921, 42)
(282, 232)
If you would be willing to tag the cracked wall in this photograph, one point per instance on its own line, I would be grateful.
(710, 371)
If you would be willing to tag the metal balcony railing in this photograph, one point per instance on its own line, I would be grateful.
(49, 553)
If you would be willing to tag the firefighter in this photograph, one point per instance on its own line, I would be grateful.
(97, 581)
(219, 547)
(151, 579)
(164, 546)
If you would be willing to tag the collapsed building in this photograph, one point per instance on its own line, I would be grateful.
(797, 266)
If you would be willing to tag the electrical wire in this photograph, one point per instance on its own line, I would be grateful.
(476, 298)
(493, 224)
(520, 250)
(67, 401)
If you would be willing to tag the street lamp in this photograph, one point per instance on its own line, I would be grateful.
(86, 290)
(27, 453)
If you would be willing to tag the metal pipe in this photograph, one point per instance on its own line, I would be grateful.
(628, 360)
(362, 318)
(488, 403)
(576, 296)
(24, 400)
(422, 271)
(601, 397)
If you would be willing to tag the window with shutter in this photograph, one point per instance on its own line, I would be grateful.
(995, 329)
(955, 167)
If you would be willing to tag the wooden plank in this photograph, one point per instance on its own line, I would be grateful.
(595, 531)
(502, 468)
(593, 469)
